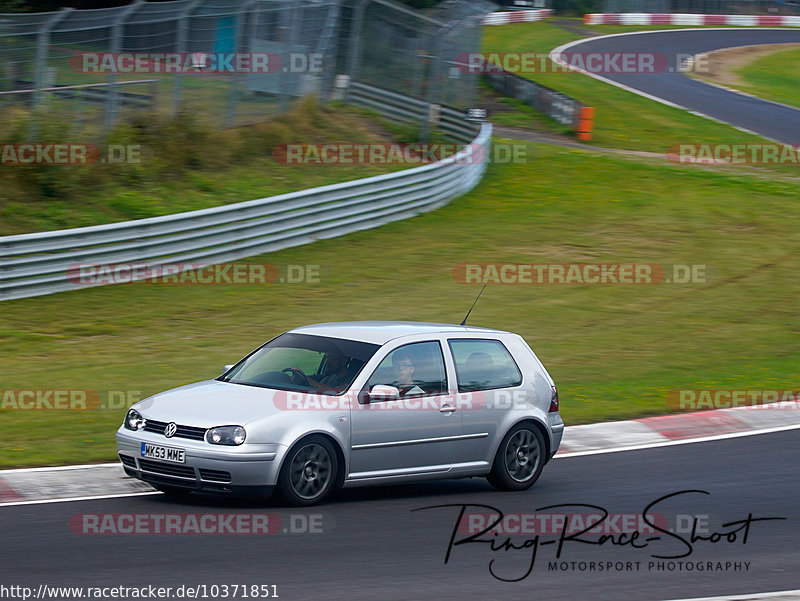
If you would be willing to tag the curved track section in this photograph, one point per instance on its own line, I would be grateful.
(672, 87)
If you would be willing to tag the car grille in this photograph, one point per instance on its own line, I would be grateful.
(192, 432)
(214, 475)
(167, 469)
(127, 460)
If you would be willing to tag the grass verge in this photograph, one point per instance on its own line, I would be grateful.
(185, 165)
(773, 77)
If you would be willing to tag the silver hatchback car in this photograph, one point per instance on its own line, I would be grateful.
(352, 404)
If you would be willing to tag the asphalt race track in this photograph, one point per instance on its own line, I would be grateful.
(768, 119)
(373, 545)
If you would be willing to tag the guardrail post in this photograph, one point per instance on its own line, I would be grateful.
(117, 31)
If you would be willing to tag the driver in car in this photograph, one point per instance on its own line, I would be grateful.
(404, 369)
(337, 376)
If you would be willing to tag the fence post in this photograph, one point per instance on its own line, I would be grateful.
(233, 88)
(181, 46)
(117, 31)
(255, 7)
(355, 40)
(287, 76)
(327, 48)
(42, 41)
(432, 87)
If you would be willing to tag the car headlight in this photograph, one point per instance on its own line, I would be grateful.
(134, 420)
(228, 435)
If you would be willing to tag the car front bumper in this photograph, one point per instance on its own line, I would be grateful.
(252, 470)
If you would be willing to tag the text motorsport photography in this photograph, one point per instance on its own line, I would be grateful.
(512, 542)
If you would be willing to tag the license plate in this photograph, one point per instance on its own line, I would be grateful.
(154, 451)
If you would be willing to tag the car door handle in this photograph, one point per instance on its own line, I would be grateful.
(446, 408)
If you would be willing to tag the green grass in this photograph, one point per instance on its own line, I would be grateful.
(773, 77)
(622, 119)
(615, 351)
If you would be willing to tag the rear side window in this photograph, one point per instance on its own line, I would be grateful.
(483, 365)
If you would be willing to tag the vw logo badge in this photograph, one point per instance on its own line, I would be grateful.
(170, 430)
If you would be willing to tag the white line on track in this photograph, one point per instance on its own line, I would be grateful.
(96, 498)
(787, 595)
(60, 468)
(672, 443)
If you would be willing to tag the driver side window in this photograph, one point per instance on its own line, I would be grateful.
(415, 369)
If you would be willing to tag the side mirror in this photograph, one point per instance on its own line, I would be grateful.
(226, 368)
(383, 393)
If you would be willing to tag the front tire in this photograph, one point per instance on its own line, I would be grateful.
(309, 472)
(519, 459)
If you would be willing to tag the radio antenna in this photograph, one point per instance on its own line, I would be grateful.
(463, 323)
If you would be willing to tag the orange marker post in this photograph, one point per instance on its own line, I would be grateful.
(586, 123)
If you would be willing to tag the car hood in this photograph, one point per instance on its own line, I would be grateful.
(211, 403)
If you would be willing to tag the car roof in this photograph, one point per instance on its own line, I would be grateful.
(381, 332)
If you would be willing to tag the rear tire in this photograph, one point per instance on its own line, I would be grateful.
(519, 459)
(309, 473)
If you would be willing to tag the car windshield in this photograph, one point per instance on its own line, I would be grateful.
(302, 362)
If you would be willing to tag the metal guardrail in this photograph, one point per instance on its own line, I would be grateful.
(92, 92)
(40, 263)
(403, 108)
(557, 105)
